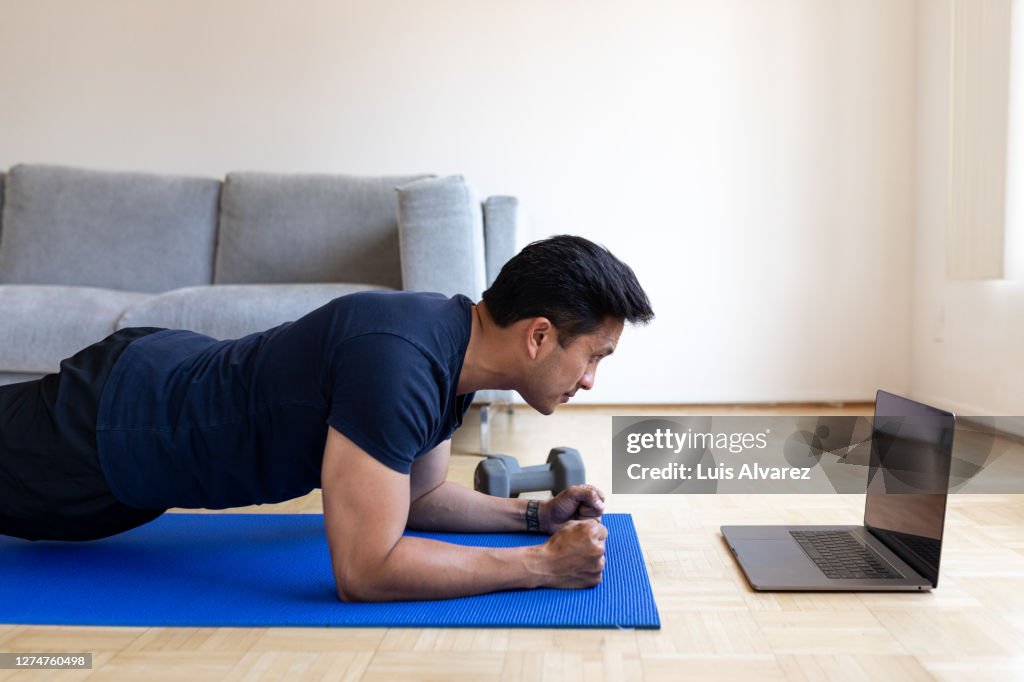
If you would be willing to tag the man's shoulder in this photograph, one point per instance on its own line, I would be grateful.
(423, 333)
(384, 300)
(427, 320)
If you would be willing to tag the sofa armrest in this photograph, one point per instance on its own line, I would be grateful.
(441, 238)
(2, 177)
(500, 219)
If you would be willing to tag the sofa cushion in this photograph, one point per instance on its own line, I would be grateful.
(18, 377)
(43, 325)
(440, 224)
(232, 311)
(131, 231)
(308, 228)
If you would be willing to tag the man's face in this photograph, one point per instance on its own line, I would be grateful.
(560, 372)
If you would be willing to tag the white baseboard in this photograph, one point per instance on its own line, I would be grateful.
(1012, 424)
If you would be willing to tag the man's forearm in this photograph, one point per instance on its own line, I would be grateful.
(418, 568)
(451, 507)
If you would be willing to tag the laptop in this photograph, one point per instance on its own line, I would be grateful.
(900, 542)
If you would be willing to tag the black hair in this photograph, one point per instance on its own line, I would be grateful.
(570, 280)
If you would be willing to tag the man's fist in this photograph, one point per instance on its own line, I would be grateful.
(578, 502)
(574, 556)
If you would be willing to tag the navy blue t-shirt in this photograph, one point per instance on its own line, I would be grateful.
(189, 421)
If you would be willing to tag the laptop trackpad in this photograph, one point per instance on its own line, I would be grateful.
(777, 563)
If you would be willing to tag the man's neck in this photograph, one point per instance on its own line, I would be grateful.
(486, 365)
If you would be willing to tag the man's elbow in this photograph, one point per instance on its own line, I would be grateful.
(360, 588)
(348, 595)
(363, 578)
(351, 591)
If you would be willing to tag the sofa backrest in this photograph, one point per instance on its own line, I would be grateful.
(300, 228)
(132, 231)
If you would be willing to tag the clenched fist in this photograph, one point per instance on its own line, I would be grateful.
(578, 502)
(574, 556)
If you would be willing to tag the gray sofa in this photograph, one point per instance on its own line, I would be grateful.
(84, 252)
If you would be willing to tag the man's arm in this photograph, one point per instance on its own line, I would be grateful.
(444, 506)
(366, 508)
(441, 505)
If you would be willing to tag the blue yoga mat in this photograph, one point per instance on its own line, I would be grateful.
(272, 570)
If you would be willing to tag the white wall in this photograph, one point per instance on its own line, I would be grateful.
(968, 337)
(752, 160)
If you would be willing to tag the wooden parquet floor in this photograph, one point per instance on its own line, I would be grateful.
(713, 626)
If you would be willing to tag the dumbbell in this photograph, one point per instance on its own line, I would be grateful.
(501, 475)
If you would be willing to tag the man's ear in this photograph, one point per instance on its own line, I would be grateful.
(540, 337)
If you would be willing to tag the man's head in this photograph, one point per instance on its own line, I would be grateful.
(572, 297)
(573, 282)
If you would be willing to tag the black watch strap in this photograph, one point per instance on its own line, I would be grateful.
(533, 516)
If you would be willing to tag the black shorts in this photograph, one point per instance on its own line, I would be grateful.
(51, 484)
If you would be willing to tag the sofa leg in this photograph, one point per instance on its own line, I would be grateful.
(485, 423)
(485, 430)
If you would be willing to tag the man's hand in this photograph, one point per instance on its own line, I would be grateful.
(578, 502)
(574, 556)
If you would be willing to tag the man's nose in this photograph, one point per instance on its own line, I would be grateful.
(587, 380)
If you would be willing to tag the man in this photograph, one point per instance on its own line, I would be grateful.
(360, 398)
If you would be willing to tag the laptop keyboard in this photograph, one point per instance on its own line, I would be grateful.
(838, 554)
(926, 548)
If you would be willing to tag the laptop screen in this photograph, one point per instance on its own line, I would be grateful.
(908, 480)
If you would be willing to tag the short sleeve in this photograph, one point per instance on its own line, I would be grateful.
(386, 397)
